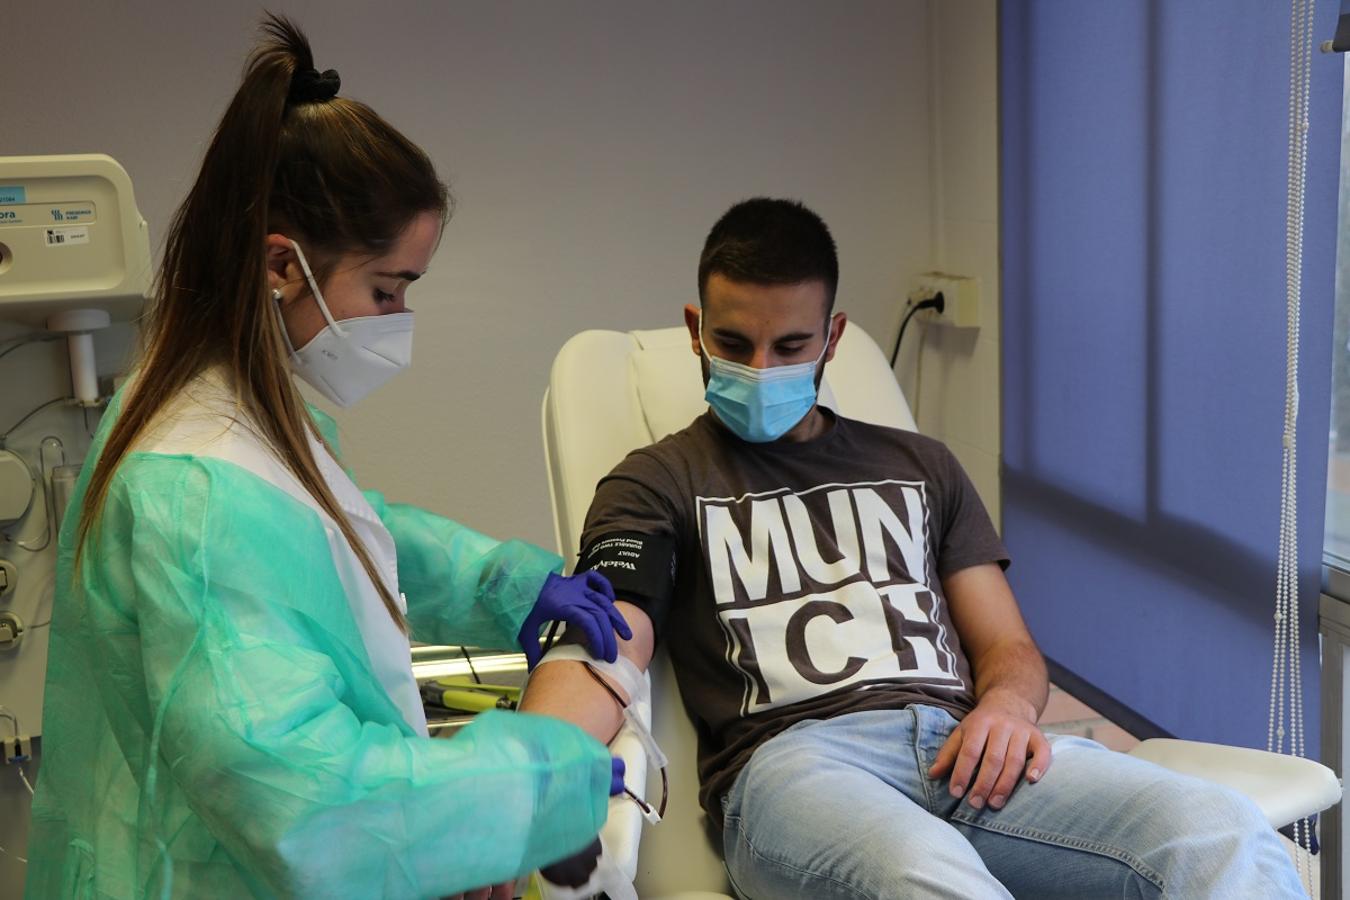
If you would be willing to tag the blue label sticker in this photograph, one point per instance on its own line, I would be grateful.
(12, 194)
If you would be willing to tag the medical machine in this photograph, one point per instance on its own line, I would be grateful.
(74, 251)
(74, 260)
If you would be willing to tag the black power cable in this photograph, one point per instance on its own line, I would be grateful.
(935, 302)
(469, 659)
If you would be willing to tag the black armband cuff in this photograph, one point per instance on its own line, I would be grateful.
(641, 567)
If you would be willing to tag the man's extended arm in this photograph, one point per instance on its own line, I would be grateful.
(1000, 735)
(565, 690)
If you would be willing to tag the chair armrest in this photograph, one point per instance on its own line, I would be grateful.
(1286, 788)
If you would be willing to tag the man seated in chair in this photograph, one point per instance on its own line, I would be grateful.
(832, 597)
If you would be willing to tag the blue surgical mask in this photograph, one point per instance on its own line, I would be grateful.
(760, 405)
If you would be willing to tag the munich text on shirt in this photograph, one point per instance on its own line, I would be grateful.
(825, 589)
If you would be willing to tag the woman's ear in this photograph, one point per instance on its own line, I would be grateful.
(282, 265)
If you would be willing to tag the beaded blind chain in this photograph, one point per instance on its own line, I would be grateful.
(1285, 729)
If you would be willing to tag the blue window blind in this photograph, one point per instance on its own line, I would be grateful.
(1144, 149)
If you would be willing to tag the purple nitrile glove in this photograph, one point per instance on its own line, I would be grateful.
(584, 601)
(617, 769)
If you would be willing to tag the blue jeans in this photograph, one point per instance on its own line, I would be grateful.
(843, 808)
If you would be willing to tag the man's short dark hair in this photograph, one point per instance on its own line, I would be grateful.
(768, 241)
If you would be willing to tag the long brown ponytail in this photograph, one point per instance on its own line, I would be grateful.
(329, 173)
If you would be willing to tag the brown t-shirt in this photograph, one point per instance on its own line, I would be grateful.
(806, 576)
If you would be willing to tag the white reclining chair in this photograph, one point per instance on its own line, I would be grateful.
(611, 392)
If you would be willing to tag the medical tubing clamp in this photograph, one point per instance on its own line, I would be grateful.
(635, 685)
(461, 693)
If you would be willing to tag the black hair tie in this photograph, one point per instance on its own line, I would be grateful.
(313, 86)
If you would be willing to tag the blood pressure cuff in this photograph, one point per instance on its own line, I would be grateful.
(640, 566)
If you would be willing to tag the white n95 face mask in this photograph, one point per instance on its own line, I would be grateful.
(350, 358)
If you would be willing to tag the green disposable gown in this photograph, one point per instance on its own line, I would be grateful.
(213, 726)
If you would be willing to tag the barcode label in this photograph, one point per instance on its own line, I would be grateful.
(64, 237)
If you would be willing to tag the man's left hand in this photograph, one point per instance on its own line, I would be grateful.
(999, 737)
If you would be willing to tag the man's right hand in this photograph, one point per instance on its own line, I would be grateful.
(576, 870)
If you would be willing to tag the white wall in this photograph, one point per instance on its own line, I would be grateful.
(590, 145)
(957, 397)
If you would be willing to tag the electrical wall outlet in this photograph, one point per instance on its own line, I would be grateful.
(960, 293)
